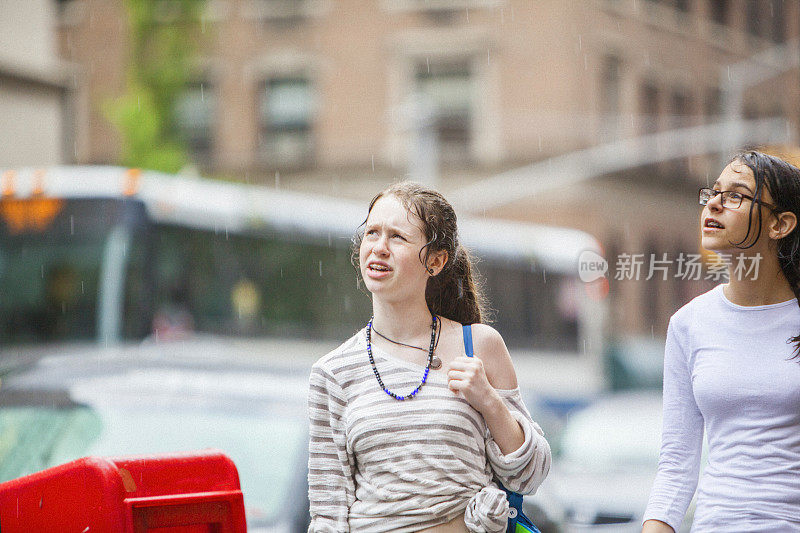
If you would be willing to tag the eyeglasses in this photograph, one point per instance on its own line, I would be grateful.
(730, 199)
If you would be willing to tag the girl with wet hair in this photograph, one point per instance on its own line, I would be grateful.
(406, 432)
(731, 365)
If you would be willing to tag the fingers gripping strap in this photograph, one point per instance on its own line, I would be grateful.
(467, 339)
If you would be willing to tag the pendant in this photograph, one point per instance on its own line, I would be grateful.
(436, 363)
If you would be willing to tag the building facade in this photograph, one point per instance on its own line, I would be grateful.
(34, 86)
(345, 96)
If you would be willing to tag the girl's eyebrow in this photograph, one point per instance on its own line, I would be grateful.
(735, 184)
(742, 185)
(388, 227)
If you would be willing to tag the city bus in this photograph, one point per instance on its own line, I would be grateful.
(108, 256)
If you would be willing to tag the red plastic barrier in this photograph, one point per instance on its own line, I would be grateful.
(176, 493)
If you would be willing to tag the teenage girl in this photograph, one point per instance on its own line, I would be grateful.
(731, 365)
(407, 433)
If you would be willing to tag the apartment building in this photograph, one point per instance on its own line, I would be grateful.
(344, 96)
(34, 86)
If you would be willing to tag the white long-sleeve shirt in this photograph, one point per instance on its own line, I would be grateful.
(728, 368)
(377, 464)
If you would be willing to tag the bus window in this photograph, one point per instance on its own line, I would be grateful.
(50, 274)
(533, 309)
(275, 284)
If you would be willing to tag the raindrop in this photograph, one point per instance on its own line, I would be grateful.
(41, 499)
(202, 93)
(320, 269)
(82, 288)
(428, 63)
(373, 162)
(544, 276)
(277, 179)
(467, 15)
(584, 346)
(580, 42)
(729, 73)
(281, 272)
(72, 224)
(226, 233)
(329, 239)
(41, 268)
(652, 331)
(487, 56)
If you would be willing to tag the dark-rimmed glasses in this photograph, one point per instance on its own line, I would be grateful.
(730, 199)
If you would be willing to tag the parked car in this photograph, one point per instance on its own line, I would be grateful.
(602, 477)
(165, 398)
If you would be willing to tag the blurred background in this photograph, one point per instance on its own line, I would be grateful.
(555, 127)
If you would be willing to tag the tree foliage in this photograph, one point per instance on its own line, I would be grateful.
(163, 39)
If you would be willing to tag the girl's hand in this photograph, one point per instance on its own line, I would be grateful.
(467, 376)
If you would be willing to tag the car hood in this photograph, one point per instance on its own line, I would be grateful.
(601, 492)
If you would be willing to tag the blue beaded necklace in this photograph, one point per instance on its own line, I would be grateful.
(427, 368)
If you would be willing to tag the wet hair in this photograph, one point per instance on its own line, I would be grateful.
(782, 180)
(454, 293)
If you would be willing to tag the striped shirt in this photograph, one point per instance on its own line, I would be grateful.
(377, 464)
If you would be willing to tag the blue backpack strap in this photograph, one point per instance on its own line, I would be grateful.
(467, 339)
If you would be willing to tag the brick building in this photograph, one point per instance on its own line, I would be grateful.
(315, 95)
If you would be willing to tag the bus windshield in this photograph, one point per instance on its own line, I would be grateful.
(51, 257)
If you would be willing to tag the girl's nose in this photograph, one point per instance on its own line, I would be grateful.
(715, 203)
(380, 245)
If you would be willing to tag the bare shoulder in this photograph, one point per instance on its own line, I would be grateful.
(491, 348)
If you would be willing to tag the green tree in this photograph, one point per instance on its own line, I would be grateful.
(164, 37)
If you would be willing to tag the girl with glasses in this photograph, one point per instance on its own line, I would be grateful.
(407, 433)
(731, 366)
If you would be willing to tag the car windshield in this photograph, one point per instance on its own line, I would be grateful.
(266, 443)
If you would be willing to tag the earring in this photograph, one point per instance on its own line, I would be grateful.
(430, 271)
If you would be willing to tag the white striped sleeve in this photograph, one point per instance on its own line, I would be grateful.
(524, 469)
(331, 489)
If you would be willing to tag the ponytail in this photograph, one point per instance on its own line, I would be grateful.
(455, 293)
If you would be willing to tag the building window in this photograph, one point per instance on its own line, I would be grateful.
(682, 6)
(286, 115)
(681, 108)
(753, 15)
(713, 102)
(194, 116)
(439, 5)
(719, 10)
(649, 107)
(448, 87)
(287, 12)
(778, 17)
(610, 84)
